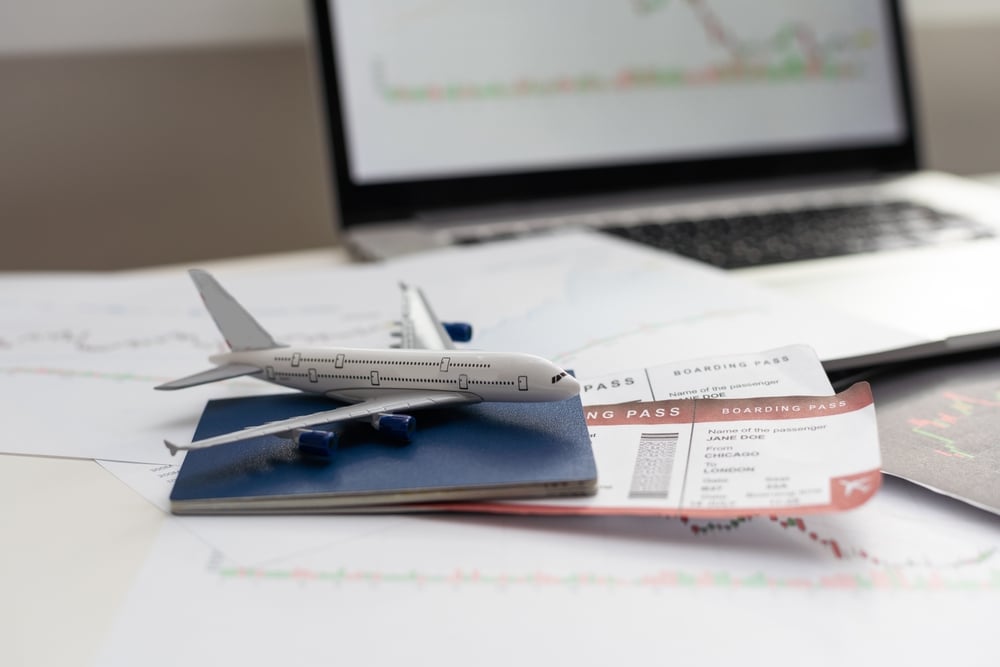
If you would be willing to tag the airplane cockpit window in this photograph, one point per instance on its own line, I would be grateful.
(556, 378)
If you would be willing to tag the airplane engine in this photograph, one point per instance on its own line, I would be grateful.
(400, 427)
(460, 332)
(316, 443)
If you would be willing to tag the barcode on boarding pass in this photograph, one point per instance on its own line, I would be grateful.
(653, 464)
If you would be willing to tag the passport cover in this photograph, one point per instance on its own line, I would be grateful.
(473, 452)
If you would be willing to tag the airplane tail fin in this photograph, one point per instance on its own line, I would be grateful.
(238, 327)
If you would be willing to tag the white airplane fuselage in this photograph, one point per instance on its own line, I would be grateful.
(356, 374)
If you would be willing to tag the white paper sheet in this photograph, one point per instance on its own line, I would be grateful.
(907, 577)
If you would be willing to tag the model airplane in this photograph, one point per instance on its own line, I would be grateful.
(381, 385)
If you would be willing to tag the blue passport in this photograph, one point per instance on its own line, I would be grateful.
(487, 451)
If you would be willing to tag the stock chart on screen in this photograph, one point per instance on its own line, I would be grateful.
(438, 88)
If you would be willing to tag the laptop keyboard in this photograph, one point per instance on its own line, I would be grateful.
(785, 236)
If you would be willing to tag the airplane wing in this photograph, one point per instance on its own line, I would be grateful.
(395, 402)
(420, 328)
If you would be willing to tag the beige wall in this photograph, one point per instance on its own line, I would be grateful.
(127, 158)
(958, 94)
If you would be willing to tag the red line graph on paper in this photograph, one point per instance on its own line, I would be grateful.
(655, 580)
(837, 548)
(85, 374)
(869, 573)
(85, 340)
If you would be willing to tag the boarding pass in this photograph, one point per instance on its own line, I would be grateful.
(773, 439)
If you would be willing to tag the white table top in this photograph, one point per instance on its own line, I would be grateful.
(75, 537)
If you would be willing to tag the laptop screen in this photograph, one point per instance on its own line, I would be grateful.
(431, 90)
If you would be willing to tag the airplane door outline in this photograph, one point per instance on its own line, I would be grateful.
(522, 383)
(375, 381)
(463, 381)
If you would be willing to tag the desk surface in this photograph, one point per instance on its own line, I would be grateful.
(75, 537)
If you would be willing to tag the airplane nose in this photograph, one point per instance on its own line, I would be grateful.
(570, 385)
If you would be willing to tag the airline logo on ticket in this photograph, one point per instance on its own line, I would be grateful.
(728, 457)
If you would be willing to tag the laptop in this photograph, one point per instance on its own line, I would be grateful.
(776, 139)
